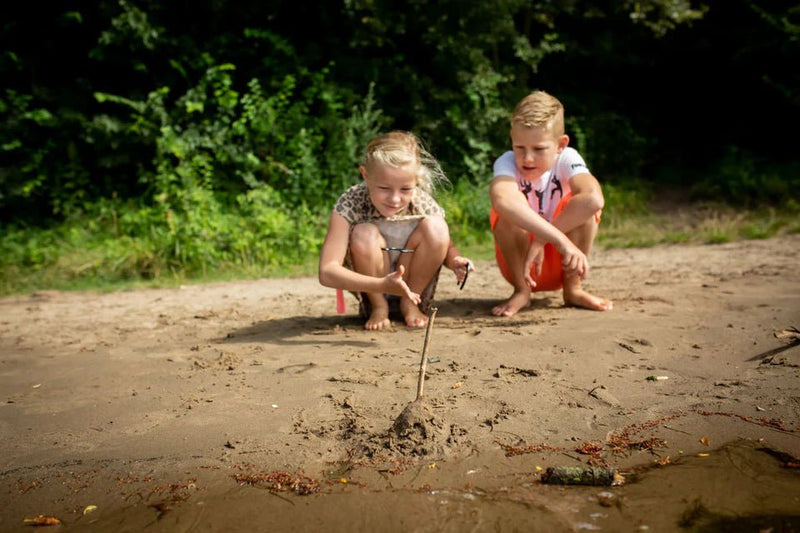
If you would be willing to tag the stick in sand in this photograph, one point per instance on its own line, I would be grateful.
(424, 362)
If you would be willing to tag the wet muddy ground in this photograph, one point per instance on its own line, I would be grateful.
(741, 486)
(255, 406)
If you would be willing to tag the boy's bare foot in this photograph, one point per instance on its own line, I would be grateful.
(378, 318)
(411, 312)
(581, 298)
(518, 300)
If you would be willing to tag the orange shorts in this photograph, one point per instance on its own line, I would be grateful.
(551, 278)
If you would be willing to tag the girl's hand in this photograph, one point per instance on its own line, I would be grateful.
(462, 267)
(534, 259)
(396, 285)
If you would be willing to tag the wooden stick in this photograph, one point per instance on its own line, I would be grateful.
(424, 363)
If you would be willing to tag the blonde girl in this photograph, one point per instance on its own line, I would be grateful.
(387, 237)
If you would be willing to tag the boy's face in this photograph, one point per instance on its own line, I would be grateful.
(535, 149)
(390, 189)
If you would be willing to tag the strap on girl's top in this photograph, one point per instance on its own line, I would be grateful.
(340, 305)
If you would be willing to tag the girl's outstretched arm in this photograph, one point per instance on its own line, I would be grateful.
(333, 273)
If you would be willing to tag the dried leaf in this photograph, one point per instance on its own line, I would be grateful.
(41, 520)
(789, 333)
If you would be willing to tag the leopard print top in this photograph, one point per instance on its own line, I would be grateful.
(356, 207)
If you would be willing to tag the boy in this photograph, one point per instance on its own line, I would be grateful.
(543, 235)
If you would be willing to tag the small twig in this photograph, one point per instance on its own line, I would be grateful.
(424, 362)
(675, 429)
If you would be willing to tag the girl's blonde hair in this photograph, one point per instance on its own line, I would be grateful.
(540, 109)
(402, 149)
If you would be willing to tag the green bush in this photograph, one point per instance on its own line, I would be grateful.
(746, 179)
(466, 207)
(291, 167)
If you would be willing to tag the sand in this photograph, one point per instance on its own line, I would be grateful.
(194, 408)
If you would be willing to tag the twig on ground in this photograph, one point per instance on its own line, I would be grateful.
(424, 362)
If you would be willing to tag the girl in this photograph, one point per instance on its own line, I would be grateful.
(387, 236)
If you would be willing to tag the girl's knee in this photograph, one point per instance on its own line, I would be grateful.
(434, 230)
(365, 238)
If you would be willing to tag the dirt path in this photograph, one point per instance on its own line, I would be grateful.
(145, 403)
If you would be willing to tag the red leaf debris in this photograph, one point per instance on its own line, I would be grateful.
(512, 450)
(279, 481)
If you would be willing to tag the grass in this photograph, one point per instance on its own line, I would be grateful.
(697, 224)
(18, 280)
(630, 220)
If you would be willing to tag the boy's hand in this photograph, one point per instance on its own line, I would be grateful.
(462, 267)
(396, 285)
(535, 257)
(574, 261)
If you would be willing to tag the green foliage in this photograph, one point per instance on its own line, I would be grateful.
(466, 207)
(608, 141)
(623, 201)
(131, 25)
(744, 178)
(661, 16)
(43, 167)
(195, 217)
(213, 134)
(475, 121)
(200, 217)
(142, 141)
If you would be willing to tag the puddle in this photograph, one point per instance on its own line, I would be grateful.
(739, 487)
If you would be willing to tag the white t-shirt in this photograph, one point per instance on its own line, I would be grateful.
(545, 193)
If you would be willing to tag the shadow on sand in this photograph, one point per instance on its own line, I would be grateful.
(348, 329)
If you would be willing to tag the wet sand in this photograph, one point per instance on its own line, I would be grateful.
(183, 409)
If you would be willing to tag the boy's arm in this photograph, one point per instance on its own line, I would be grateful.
(511, 204)
(587, 199)
(333, 273)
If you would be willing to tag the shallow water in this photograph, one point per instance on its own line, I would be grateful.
(738, 487)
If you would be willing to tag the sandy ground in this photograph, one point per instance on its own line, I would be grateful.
(173, 409)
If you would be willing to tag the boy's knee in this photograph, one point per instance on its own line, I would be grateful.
(511, 238)
(585, 233)
(503, 227)
(592, 224)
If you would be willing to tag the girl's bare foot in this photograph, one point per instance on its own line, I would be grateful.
(519, 300)
(581, 298)
(411, 312)
(378, 318)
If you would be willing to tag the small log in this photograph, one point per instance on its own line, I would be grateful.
(580, 475)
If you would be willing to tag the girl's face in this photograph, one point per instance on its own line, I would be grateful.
(390, 189)
(535, 149)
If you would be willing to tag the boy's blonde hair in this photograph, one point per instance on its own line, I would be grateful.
(401, 149)
(540, 109)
